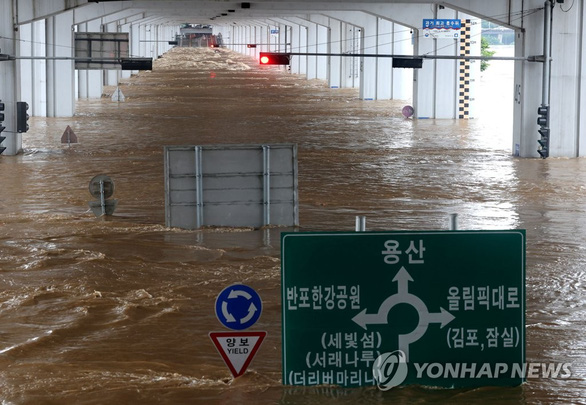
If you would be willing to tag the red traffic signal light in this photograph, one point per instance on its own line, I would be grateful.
(272, 58)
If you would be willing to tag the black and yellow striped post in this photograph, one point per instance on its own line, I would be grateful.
(464, 91)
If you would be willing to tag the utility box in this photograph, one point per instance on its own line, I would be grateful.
(231, 185)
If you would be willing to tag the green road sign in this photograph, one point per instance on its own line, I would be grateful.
(443, 308)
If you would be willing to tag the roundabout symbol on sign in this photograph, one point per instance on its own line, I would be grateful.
(238, 307)
(363, 319)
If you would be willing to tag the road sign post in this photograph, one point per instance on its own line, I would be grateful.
(448, 306)
(237, 348)
(238, 307)
(102, 188)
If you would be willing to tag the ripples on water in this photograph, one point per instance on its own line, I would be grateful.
(118, 311)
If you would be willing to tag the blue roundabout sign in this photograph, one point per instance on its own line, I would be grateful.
(238, 307)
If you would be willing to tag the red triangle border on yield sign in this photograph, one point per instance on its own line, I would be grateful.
(239, 364)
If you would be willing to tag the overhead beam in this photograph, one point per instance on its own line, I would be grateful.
(28, 11)
(509, 13)
(84, 14)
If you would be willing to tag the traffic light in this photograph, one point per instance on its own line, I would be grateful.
(543, 122)
(272, 58)
(2, 127)
(21, 116)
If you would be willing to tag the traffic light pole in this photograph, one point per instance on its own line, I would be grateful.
(404, 61)
(543, 113)
(125, 63)
(546, 53)
(377, 55)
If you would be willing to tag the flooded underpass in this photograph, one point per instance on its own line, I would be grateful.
(118, 310)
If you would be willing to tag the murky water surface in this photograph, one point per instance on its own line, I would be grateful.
(118, 311)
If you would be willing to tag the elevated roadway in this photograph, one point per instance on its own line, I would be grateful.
(38, 37)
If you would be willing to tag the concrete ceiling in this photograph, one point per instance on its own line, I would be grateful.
(221, 12)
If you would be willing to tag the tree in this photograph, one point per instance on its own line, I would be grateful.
(484, 45)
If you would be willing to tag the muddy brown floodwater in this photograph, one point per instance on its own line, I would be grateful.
(118, 311)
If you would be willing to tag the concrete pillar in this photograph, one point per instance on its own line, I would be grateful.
(295, 47)
(95, 78)
(143, 50)
(303, 42)
(519, 97)
(33, 71)
(158, 40)
(424, 79)
(235, 35)
(135, 42)
(148, 41)
(445, 81)
(322, 46)
(436, 89)
(8, 82)
(436, 83)
(248, 39)
(235, 38)
(368, 76)
(154, 41)
(367, 36)
(384, 69)
(154, 36)
(163, 39)
(335, 65)
(581, 79)
(528, 79)
(230, 37)
(75, 75)
(25, 48)
(60, 73)
(125, 74)
(38, 107)
(390, 38)
(256, 39)
(402, 79)
(279, 33)
(312, 41)
(317, 41)
(351, 43)
(111, 75)
(241, 39)
(568, 132)
(82, 74)
(272, 38)
(248, 35)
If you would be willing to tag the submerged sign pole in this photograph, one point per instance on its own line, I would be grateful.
(440, 308)
(238, 307)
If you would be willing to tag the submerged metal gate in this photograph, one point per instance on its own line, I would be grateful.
(231, 185)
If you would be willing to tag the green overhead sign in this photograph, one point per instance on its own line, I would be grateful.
(443, 308)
